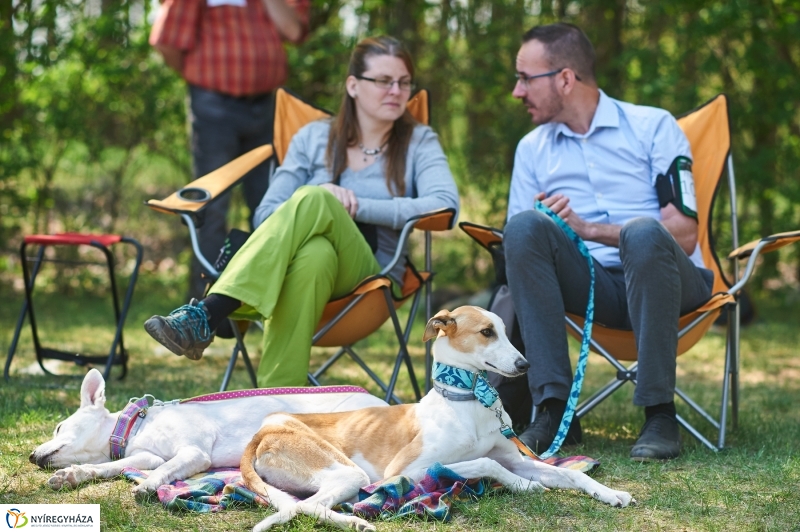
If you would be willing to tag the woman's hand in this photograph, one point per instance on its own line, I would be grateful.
(345, 196)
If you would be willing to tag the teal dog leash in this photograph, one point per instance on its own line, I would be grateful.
(580, 369)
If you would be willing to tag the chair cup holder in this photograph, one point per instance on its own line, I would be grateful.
(194, 194)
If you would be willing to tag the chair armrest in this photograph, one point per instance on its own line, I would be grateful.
(211, 185)
(482, 234)
(773, 242)
(440, 220)
(753, 250)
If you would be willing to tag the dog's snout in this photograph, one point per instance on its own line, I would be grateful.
(41, 460)
(38, 460)
(522, 365)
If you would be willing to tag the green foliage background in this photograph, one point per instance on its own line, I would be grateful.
(92, 123)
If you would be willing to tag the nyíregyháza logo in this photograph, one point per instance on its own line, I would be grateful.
(16, 518)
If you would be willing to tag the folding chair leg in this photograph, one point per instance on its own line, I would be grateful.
(328, 363)
(693, 431)
(121, 312)
(117, 313)
(13, 348)
(598, 397)
(402, 354)
(249, 366)
(372, 375)
(697, 408)
(730, 379)
(428, 312)
(406, 336)
(628, 375)
(313, 378)
(21, 320)
(232, 361)
(624, 374)
(734, 322)
(229, 370)
(726, 385)
(28, 282)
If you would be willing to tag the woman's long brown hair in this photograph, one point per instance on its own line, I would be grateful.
(344, 127)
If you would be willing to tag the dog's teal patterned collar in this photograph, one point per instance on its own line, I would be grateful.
(480, 389)
(466, 380)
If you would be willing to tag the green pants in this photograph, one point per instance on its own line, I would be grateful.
(306, 253)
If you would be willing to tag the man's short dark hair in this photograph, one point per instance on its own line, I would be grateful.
(566, 46)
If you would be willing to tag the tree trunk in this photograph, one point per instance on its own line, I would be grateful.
(9, 94)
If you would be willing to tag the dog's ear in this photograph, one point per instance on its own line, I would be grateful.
(93, 389)
(441, 322)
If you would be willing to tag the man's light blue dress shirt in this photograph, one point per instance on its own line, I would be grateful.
(608, 174)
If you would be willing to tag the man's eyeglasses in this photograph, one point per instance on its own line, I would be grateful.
(386, 83)
(524, 78)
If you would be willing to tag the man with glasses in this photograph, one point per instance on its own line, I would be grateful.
(594, 161)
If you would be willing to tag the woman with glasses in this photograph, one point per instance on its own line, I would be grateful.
(331, 217)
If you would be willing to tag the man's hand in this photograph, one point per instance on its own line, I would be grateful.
(682, 228)
(173, 57)
(604, 233)
(345, 196)
(286, 19)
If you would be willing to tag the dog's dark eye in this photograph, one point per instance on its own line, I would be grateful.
(58, 427)
(488, 333)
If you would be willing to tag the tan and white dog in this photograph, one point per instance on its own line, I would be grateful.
(175, 440)
(331, 456)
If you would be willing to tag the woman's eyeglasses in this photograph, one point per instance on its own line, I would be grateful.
(386, 83)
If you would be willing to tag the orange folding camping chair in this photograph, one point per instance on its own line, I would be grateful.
(356, 315)
(708, 131)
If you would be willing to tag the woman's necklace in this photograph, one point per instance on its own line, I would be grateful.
(373, 152)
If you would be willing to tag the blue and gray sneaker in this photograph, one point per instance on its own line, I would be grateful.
(184, 332)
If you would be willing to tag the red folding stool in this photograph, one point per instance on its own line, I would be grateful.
(117, 355)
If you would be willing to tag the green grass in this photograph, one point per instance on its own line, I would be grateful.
(751, 485)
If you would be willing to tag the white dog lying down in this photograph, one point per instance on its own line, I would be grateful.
(331, 456)
(175, 440)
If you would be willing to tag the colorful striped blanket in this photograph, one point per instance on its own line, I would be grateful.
(432, 497)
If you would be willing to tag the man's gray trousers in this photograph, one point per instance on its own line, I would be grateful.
(547, 276)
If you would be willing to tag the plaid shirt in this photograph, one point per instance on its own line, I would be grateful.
(229, 49)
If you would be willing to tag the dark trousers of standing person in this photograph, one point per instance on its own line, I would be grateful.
(223, 128)
(547, 276)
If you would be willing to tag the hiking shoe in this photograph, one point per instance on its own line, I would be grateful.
(540, 434)
(184, 332)
(659, 439)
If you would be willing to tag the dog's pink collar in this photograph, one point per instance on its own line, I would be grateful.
(291, 390)
(127, 425)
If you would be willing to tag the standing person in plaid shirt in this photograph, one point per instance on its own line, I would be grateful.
(230, 52)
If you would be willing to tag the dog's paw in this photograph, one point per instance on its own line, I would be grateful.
(144, 492)
(537, 486)
(64, 479)
(624, 499)
(617, 499)
(363, 526)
